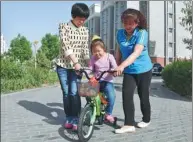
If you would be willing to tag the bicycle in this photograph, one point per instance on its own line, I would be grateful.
(93, 110)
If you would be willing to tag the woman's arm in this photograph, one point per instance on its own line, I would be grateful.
(118, 56)
(137, 51)
(138, 48)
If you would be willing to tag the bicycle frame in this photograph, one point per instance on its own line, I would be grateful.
(95, 107)
(95, 102)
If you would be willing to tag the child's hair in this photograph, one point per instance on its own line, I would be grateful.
(137, 15)
(80, 10)
(96, 42)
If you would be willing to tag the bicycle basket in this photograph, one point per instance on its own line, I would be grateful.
(85, 89)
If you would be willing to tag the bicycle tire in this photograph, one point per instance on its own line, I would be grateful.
(88, 108)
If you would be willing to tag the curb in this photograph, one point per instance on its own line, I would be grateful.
(34, 89)
(28, 90)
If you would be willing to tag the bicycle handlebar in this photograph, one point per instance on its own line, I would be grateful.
(86, 74)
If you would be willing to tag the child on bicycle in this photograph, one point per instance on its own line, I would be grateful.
(99, 62)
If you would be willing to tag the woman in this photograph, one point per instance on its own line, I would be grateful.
(134, 61)
(74, 53)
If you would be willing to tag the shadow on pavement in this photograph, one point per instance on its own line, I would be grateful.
(55, 104)
(70, 135)
(46, 111)
(118, 87)
(158, 90)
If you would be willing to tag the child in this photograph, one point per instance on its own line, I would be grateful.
(99, 62)
(73, 54)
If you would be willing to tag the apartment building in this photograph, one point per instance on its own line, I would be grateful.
(165, 31)
(107, 23)
(93, 22)
(110, 20)
(3, 45)
(119, 8)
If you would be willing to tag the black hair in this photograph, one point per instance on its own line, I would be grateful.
(137, 15)
(80, 10)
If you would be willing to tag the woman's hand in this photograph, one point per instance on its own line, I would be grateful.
(77, 66)
(119, 70)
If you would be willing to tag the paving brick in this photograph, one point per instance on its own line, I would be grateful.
(37, 116)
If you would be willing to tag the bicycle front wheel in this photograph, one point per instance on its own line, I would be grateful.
(86, 123)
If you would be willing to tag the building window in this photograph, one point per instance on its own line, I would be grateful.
(170, 15)
(117, 3)
(170, 23)
(170, 30)
(122, 7)
(170, 44)
(170, 59)
(152, 46)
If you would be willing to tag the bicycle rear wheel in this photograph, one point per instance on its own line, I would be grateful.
(86, 123)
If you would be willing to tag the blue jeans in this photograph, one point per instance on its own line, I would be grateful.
(108, 89)
(71, 100)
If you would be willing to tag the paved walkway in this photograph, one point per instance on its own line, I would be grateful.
(36, 116)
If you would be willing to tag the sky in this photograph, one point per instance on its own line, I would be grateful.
(33, 19)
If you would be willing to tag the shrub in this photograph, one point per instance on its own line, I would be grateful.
(11, 69)
(16, 76)
(178, 77)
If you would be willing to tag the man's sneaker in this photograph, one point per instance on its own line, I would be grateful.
(109, 118)
(125, 129)
(142, 124)
(68, 125)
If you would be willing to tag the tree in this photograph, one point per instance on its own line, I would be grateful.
(20, 49)
(43, 61)
(50, 46)
(186, 21)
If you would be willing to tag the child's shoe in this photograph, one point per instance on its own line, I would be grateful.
(109, 118)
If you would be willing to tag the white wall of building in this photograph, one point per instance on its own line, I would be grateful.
(181, 33)
(160, 17)
(165, 30)
(156, 27)
(3, 45)
(97, 8)
(133, 4)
